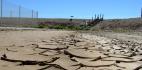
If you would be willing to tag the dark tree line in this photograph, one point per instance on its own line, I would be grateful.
(95, 20)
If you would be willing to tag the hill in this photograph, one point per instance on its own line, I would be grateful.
(126, 24)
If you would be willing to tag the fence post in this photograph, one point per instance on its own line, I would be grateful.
(141, 12)
(95, 16)
(37, 14)
(1, 10)
(19, 11)
(19, 14)
(92, 18)
(32, 14)
(11, 13)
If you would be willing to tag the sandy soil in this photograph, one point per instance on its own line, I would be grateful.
(69, 50)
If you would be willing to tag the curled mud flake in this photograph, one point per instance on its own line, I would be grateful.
(11, 50)
(138, 68)
(98, 58)
(29, 62)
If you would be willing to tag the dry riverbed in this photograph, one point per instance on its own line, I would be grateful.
(69, 50)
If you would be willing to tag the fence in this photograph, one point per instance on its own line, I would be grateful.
(16, 13)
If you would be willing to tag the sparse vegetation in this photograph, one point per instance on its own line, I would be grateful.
(71, 24)
(120, 25)
(62, 26)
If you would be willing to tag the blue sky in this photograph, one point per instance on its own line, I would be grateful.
(83, 8)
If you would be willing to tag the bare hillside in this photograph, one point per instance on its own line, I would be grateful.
(132, 24)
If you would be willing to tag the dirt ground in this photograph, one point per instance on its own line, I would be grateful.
(69, 50)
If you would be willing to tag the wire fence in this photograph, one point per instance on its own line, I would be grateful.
(12, 11)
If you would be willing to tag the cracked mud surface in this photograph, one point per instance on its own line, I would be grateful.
(69, 50)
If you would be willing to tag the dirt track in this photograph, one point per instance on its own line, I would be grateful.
(69, 50)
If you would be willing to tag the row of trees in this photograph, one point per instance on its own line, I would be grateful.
(96, 19)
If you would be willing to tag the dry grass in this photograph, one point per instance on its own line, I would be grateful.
(120, 24)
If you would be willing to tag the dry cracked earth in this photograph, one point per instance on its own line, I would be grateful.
(69, 50)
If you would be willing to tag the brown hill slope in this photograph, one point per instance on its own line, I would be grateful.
(132, 24)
